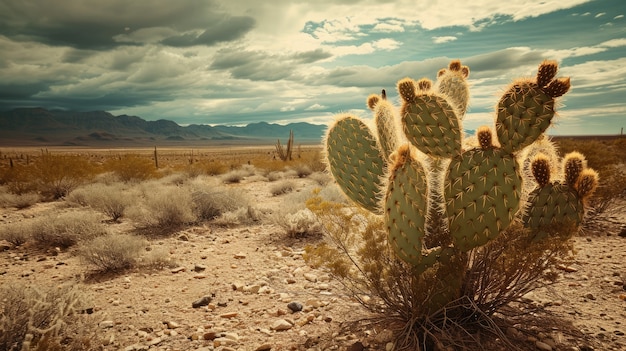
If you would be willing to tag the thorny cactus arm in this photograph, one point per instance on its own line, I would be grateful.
(385, 121)
(526, 109)
(355, 161)
(452, 82)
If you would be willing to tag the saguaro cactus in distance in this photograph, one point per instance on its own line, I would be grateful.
(413, 167)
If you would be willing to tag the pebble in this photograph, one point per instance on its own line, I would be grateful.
(310, 277)
(229, 315)
(263, 347)
(240, 256)
(204, 301)
(295, 306)
(281, 325)
(106, 324)
(178, 269)
(171, 324)
(199, 268)
(543, 346)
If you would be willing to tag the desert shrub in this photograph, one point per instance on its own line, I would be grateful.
(66, 229)
(53, 176)
(210, 203)
(164, 207)
(321, 178)
(112, 200)
(274, 176)
(131, 168)
(17, 233)
(239, 216)
(19, 201)
(158, 258)
(313, 160)
(212, 168)
(293, 217)
(332, 193)
(302, 170)
(112, 252)
(300, 223)
(282, 187)
(234, 176)
(38, 318)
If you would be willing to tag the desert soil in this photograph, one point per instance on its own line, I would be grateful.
(252, 273)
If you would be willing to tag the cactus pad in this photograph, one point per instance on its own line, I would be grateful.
(429, 121)
(482, 192)
(406, 208)
(452, 82)
(550, 204)
(355, 161)
(526, 109)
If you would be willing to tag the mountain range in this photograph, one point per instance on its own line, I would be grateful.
(42, 127)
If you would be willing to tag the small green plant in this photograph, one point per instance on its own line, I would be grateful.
(444, 206)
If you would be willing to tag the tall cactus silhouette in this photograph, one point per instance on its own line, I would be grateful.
(412, 168)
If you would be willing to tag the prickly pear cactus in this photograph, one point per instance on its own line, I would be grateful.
(480, 189)
(554, 202)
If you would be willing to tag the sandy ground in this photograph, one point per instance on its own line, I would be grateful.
(252, 273)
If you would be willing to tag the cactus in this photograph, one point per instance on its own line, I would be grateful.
(555, 202)
(285, 154)
(479, 190)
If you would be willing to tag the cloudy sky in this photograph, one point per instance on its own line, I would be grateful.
(240, 61)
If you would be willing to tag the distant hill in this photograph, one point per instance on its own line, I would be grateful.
(38, 127)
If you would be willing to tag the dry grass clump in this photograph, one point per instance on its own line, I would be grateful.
(295, 219)
(19, 201)
(164, 207)
(302, 170)
(113, 252)
(283, 187)
(321, 178)
(38, 318)
(211, 201)
(274, 176)
(52, 176)
(66, 229)
(112, 199)
(16, 233)
(495, 279)
(234, 176)
(131, 168)
(241, 216)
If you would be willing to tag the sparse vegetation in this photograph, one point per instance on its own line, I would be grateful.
(65, 229)
(113, 252)
(131, 167)
(112, 199)
(282, 187)
(170, 207)
(44, 318)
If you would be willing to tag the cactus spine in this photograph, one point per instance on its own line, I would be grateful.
(479, 189)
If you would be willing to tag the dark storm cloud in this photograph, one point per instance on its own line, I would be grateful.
(99, 25)
(225, 29)
(257, 65)
(312, 56)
